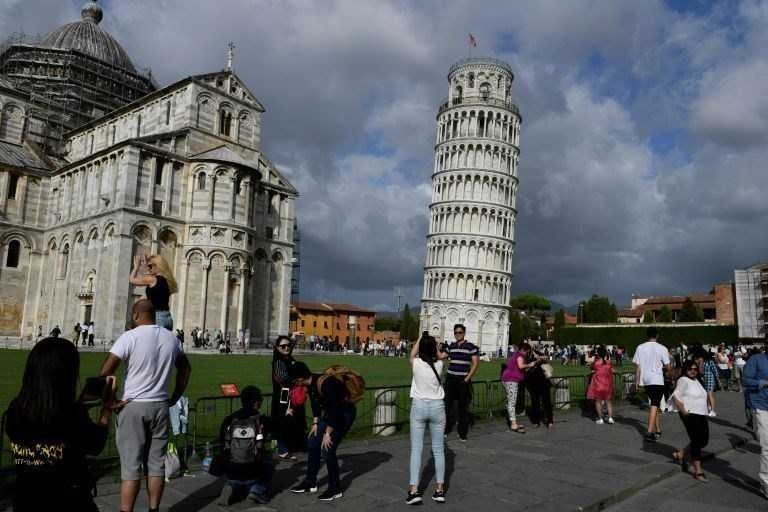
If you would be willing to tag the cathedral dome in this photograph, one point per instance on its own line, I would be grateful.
(86, 36)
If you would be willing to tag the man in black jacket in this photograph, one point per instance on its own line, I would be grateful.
(253, 477)
(333, 415)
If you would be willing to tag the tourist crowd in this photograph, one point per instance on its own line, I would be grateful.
(52, 432)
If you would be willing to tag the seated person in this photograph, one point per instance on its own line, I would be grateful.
(247, 466)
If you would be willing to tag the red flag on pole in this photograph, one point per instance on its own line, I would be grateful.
(472, 41)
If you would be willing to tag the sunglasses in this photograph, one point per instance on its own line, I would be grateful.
(283, 346)
(149, 265)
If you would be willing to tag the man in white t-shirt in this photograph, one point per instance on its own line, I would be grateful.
(150, 354)
(652, 358)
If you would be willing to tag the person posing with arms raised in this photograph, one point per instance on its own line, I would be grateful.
(333, 395)
(652, 358)
(512, 376)
(51, 432)
(149, 353)
(690, 399)
(465, 360)
(287, 415)
(427, 408)
(160, 285)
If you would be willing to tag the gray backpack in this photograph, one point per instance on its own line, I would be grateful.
(244, 439)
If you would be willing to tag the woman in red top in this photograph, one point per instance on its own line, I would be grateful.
(601, 386)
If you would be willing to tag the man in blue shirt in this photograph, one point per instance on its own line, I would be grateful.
(465, 359)
(755, 381)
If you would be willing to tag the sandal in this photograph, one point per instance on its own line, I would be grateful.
(701, 477)
(518, 430)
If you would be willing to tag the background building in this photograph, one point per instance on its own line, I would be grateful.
(110, 168)
(345, 324)
(752, 301)
(470, 244)
(717, 306)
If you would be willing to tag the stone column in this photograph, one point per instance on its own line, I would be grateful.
(4, 178)
(156, 168)
(225, 301)
(211, 194)
(204, 294)
(21, 197)
(480, 325)
(267, 297)
(68, 189)
(100, 171)
(233, 202)
(442, 327)
(247, 185)
(182, 293)
(113, 170)
(168, 184)
(241, 299)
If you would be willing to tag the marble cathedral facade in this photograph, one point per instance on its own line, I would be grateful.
(178, 171)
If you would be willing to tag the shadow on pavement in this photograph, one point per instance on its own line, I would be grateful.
(428, 473)
(638, 425)
(724, 423)
(355, 466)
(201, 498)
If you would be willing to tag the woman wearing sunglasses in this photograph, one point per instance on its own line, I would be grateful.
(690, 399)
(160, 284)
(290, 423)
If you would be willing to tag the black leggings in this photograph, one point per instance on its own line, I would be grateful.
(697, 426)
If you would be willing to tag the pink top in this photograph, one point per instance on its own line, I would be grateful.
(513, 373)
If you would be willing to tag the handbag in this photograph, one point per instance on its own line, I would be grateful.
(172, 462)
(298, 395)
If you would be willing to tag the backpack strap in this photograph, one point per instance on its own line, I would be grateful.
(434, 370)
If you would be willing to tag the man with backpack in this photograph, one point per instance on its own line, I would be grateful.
(247, 467)
(333, 395)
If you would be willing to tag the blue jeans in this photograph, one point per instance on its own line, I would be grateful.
(259, 485)
(423, 412)
(164, 319)
(317, 453)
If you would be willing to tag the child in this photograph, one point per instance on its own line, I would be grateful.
(601, 387)
(248, 467)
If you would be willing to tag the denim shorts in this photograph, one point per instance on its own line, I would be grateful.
(164, 319)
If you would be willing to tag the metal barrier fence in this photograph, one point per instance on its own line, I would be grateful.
(383, 410)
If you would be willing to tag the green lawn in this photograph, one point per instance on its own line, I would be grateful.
(208, 371)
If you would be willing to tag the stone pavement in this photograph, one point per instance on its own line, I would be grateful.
(578, 465)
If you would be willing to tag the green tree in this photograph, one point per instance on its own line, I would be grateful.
(689, 312)
(665, 315)
(387, 323)
(405, 322)
(600, 310)
(530, 302)
(559, 324)
(516, 332)
(648, 317)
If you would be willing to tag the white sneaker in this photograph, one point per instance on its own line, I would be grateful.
(712, 414)
(599, 421)
(610, 421)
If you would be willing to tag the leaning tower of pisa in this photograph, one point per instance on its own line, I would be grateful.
(471, 240)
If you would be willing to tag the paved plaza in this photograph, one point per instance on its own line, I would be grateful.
(576, 466)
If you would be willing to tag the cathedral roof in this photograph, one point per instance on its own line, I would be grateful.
(15, 155)
(87, 37)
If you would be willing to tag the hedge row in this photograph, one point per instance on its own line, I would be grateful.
(631, 336)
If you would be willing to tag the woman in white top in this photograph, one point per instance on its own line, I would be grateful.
(427, 407)
(690, 399)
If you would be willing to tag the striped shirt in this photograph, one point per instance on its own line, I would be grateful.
(461, 358)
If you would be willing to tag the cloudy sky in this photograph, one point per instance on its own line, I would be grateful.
(643, 149)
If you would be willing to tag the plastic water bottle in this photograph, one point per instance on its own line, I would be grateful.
(208, 457)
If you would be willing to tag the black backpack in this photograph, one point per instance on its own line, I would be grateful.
(244, 440)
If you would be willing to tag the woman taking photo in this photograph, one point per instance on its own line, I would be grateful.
(427, 408)
(160, 285)
(511, 377)
(690, 399)
(51, 432)
(288, 417)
